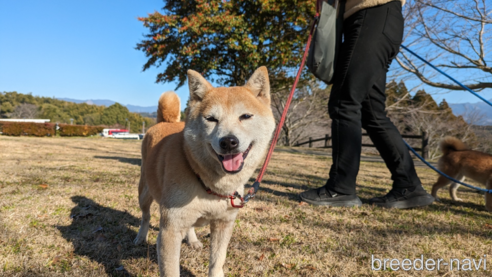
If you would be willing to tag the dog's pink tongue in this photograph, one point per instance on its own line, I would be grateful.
(233, 162)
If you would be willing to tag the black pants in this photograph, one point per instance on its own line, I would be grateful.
(372, 38)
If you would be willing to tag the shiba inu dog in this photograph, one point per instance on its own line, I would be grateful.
(458, 161)
(192, 169)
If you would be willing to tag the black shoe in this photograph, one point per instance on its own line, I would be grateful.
(404, 198)
(325, 197)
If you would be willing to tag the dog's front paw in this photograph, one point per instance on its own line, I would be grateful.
(458, 200)
(197, 245)
(139, 240)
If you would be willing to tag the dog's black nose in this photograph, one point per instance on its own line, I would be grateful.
(229, 143)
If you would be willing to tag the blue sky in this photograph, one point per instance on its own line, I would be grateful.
(78, 49)
(86, 50)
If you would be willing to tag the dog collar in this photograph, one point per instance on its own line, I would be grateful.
(230, 196)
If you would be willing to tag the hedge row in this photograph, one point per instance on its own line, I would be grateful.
(27, 129)
(78, 130)
(47, 129)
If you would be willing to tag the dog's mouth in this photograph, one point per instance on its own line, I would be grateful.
(233, 163)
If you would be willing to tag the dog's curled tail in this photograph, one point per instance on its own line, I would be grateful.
(449, 144)
(169, 108)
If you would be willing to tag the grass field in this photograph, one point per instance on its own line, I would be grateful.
(68, 207)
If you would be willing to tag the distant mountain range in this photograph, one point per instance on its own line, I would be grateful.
(105, 102)
(465, 109)
(468, 109)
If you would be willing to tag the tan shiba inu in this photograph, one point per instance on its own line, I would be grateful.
(458, 161)
(188, 168)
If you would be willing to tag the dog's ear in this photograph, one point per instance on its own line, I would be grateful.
(259, 84)
(198, 85)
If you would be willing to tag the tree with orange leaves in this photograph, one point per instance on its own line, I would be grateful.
(227, 40)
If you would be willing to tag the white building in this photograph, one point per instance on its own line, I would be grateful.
(31, 120)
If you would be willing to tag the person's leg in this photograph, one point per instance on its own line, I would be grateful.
(362, 54)
(372, 38)
(349, 127)
(387, 139)
(378, 42)
(407, 191)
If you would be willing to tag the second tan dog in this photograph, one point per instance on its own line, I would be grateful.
(458, 161)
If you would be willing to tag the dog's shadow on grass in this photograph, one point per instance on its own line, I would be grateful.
(103, 234)
(366, 191)
(465, 208)
(290, 187)
(134, 161)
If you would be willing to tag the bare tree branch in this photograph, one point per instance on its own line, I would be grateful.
(25, 110)
(455, 34)
(307, 111)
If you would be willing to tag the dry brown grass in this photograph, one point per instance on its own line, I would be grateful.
(68, 207)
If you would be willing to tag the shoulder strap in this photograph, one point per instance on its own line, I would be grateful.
(342, 7)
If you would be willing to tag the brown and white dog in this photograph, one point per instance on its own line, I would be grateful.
(458, 161)
(225, 137)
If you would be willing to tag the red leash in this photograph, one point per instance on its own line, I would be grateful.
(256, 185)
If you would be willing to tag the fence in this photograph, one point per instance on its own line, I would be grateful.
(424, 149)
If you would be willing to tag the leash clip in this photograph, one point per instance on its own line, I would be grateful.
(248, 197)
(252, 192)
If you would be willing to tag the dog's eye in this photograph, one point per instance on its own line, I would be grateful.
(245, 116)
(211, 119)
